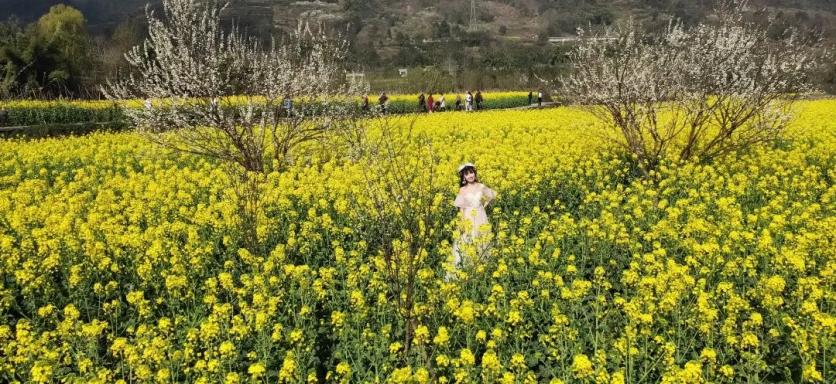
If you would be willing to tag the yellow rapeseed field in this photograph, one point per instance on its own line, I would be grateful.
(122, 262)
(37, 112)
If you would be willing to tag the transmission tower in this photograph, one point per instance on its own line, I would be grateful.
(472, 15)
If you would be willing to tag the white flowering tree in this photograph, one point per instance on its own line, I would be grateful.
(219, 94)
(699, 92)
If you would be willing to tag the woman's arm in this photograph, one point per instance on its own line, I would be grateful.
(459, 202)
(489, 195)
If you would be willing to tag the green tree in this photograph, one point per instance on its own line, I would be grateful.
(13, 64)
(60, 40)
(47, 59)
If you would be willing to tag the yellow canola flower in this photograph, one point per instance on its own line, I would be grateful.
(581, 366)
(288, 372)
(122, 260)
(466, 357)
(442, 337)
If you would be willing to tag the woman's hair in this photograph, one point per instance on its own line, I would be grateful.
(464, 171)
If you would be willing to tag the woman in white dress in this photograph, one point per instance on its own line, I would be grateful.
(472, 200)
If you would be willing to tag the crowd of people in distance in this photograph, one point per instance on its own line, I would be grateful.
(470, 102)
(430, 104)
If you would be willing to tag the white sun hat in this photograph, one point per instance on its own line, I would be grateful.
(465, 165)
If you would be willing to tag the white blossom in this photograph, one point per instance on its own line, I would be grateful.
(717, 86)
(220, 93)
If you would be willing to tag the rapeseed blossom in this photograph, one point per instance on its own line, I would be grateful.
(121, 261)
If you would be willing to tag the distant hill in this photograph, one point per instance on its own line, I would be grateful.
(102, 15)
(427, 19)
(454, 35)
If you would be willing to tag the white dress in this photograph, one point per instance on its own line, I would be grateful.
(473, 240)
